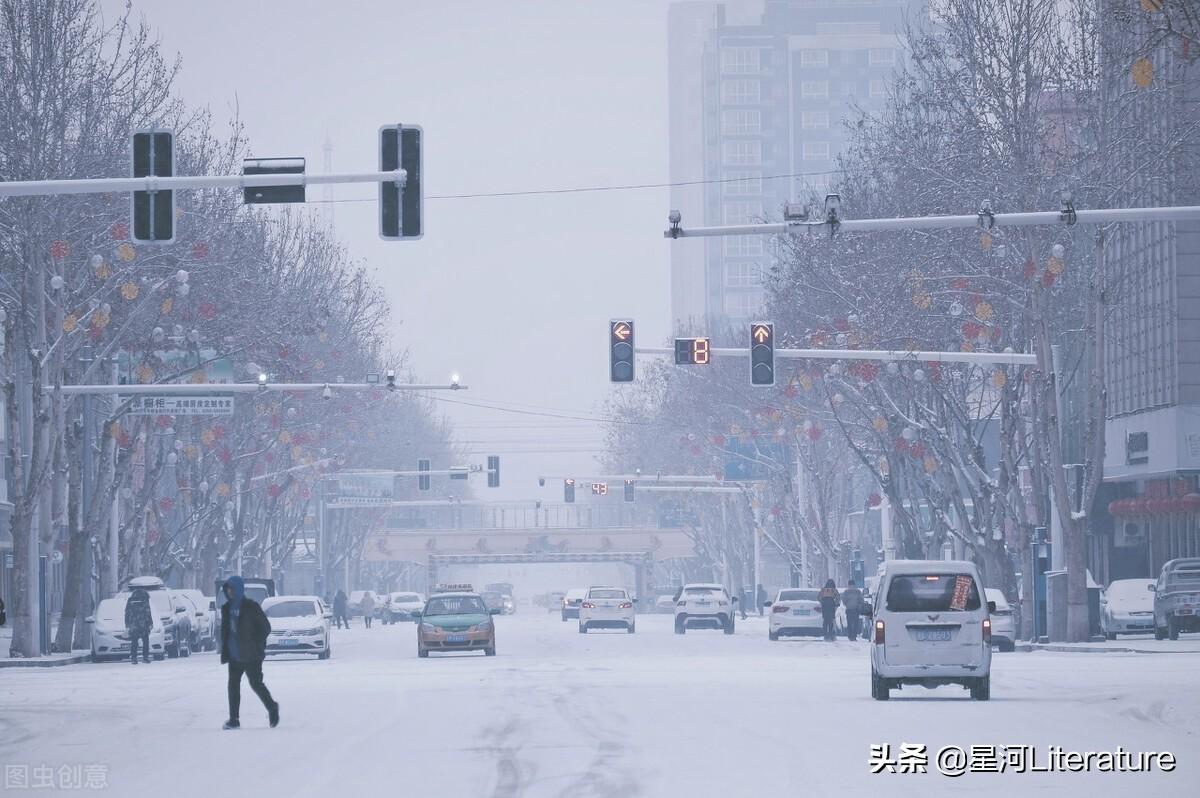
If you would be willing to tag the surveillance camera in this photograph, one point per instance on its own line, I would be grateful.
(327, 393)
(541, 482)
(637, 472)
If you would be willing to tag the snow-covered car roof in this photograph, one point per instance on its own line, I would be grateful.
(930, 567)
(708, 585)
(273, 600)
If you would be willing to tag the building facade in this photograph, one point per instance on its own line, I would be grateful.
(760, 93)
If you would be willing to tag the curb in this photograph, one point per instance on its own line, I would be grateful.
(1061, 649)
(33, 662)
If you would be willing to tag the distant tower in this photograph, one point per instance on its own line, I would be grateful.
(327, 190)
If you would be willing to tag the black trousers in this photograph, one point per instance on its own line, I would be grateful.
(340, 617)
(853, 624)
(254, 675)
(828, 625)
(134, 637)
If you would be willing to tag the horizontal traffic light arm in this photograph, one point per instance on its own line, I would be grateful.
(640, 479)
(105, 185)
(1006, 358)
(211, 388)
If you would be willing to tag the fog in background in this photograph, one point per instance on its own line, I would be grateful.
(513, 293)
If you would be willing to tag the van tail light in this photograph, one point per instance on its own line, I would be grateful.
(879, 637)
(587, 605)
(779, 608)
(987, 630)
(627, 605)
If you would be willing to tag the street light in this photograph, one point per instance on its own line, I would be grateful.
(675, 217)
(454, 381)
(1066, 212)
(833, 210)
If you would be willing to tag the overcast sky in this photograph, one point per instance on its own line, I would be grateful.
(512, 293)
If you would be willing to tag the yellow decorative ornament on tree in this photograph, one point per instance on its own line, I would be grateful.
(223, 489)
(285, 437)
(1143, 72)
(985, 241)
(70, 323)
(922, 300)
(145, 374)
(880, 424)
(103, 270)
(167, 306)
(126, 252)
(931, 464)
(999, 379)
(130, 291)
(1055, 265)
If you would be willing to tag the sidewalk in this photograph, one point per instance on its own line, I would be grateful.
(1132, 645)
(48, 661)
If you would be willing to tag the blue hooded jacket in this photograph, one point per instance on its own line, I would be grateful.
(238, 586)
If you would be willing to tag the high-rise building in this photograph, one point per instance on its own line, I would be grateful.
(759, 92)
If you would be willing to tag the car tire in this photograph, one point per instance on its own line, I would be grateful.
(489, 652)
(159, 657)
(422, 653)
(1008, 646)
(879, 689)
(186, 651)
(981, 690)
(324, 654)
(729, 626)
(1159, 633)
(1110, 635)
(630, 629)
(564, 617)
(583, 628)
(772, 636)
(1172, 629)
(681, 625)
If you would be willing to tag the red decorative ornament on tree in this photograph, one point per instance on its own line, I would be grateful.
(960, 284)
(874, 500)
(200, 250)
(166, 504)
(59, 250)
(814, 433)
(119, 231)
(1030, 269)
(207, 311)
(274, 490)
(1048, 279)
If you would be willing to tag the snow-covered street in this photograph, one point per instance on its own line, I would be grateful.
(557, 713)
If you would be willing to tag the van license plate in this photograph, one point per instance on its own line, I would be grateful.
(933, 635)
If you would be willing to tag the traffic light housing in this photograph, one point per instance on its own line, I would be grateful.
(620, 349)
(423, 479)
(569, 490)
(401, 208)
(629, 490)
(153, 212)
(493, 470)
(273, 166)
(762, 353)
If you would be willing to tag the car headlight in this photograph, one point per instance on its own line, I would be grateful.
(428, 628)
(315, 631)
(486, 626)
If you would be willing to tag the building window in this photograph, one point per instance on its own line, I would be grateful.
(742, 122)
(741, 92)
(743, 212)
(882, 57)
(814, 120)
(742, 152)
(814, 58)
(743, 304)
(741, 60)
(743, 184)
(743, 246)
(878, 88)
(814, 88)
(816, 150)
(743, 274)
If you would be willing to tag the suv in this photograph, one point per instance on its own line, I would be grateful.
(704, 605)
(931, 627)
(1177, 598)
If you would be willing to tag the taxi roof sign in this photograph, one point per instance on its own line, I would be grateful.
(460, 587)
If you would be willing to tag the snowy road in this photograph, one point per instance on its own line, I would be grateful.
(557, 713)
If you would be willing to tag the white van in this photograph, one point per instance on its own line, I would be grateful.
(931, 627)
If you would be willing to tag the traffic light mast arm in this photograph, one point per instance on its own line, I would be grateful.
(105, 185)
(1007, 358)
(210, 388)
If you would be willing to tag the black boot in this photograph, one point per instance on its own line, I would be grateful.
(232, 723)
(273, 714)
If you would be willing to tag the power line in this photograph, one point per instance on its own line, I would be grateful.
(541, 414)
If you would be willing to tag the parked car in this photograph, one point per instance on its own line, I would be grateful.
(795, 611)
(257, 588)
(1127, 607)
(403, 607)
(706, 606)
(299, 625)
(931, 627)
(607, 607)
(1004, 632)
(110, 639)
(570, 603)
(494, 600)
(175, 612)
(1177, 598)
(205, 622)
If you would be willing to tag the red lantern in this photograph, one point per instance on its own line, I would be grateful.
(841, 325)
(718, 439)
(1115, 508)
(960, 284)
(1048, 279)
(917, 450)
(815, 433)
(274, 490)
(1030, 269)
(874, 500)
(166, 504)
(901, 445)
(207, 311)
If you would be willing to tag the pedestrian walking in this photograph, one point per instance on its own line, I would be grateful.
(3, 616)
(741, 604)
(829, 603)
(761, 599)
(139, 620)
(339, 609)
(367, 606)
(244, 631)
(852, 600)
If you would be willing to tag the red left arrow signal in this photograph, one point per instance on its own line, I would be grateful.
(621, 331)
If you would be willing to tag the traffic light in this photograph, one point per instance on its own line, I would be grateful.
(762, 353)
(629, 490)
(153, 211)
(400, 207)
(620, 347)
(423, 479)
(693, 351)
(569, 490)
(493, 470)
(272, 166)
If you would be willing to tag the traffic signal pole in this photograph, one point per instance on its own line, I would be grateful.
(105, 185)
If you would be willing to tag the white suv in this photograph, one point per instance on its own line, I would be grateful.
(610, 607)
(931, 627)
(704, 605)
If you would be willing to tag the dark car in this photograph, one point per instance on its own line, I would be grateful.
(1177, 598)
(571, 602)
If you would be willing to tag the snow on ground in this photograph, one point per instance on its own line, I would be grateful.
(557, 713)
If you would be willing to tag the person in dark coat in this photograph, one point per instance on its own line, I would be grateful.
(829, 599)
(244, 631)
(760, 598)
(139, 620)
(340, 605)
(852, 600)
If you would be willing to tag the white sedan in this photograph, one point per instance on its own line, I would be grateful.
(795, 611)
(1127, 607)
(606, 607)
(299, 625)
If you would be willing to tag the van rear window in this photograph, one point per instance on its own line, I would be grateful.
(933, 593)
